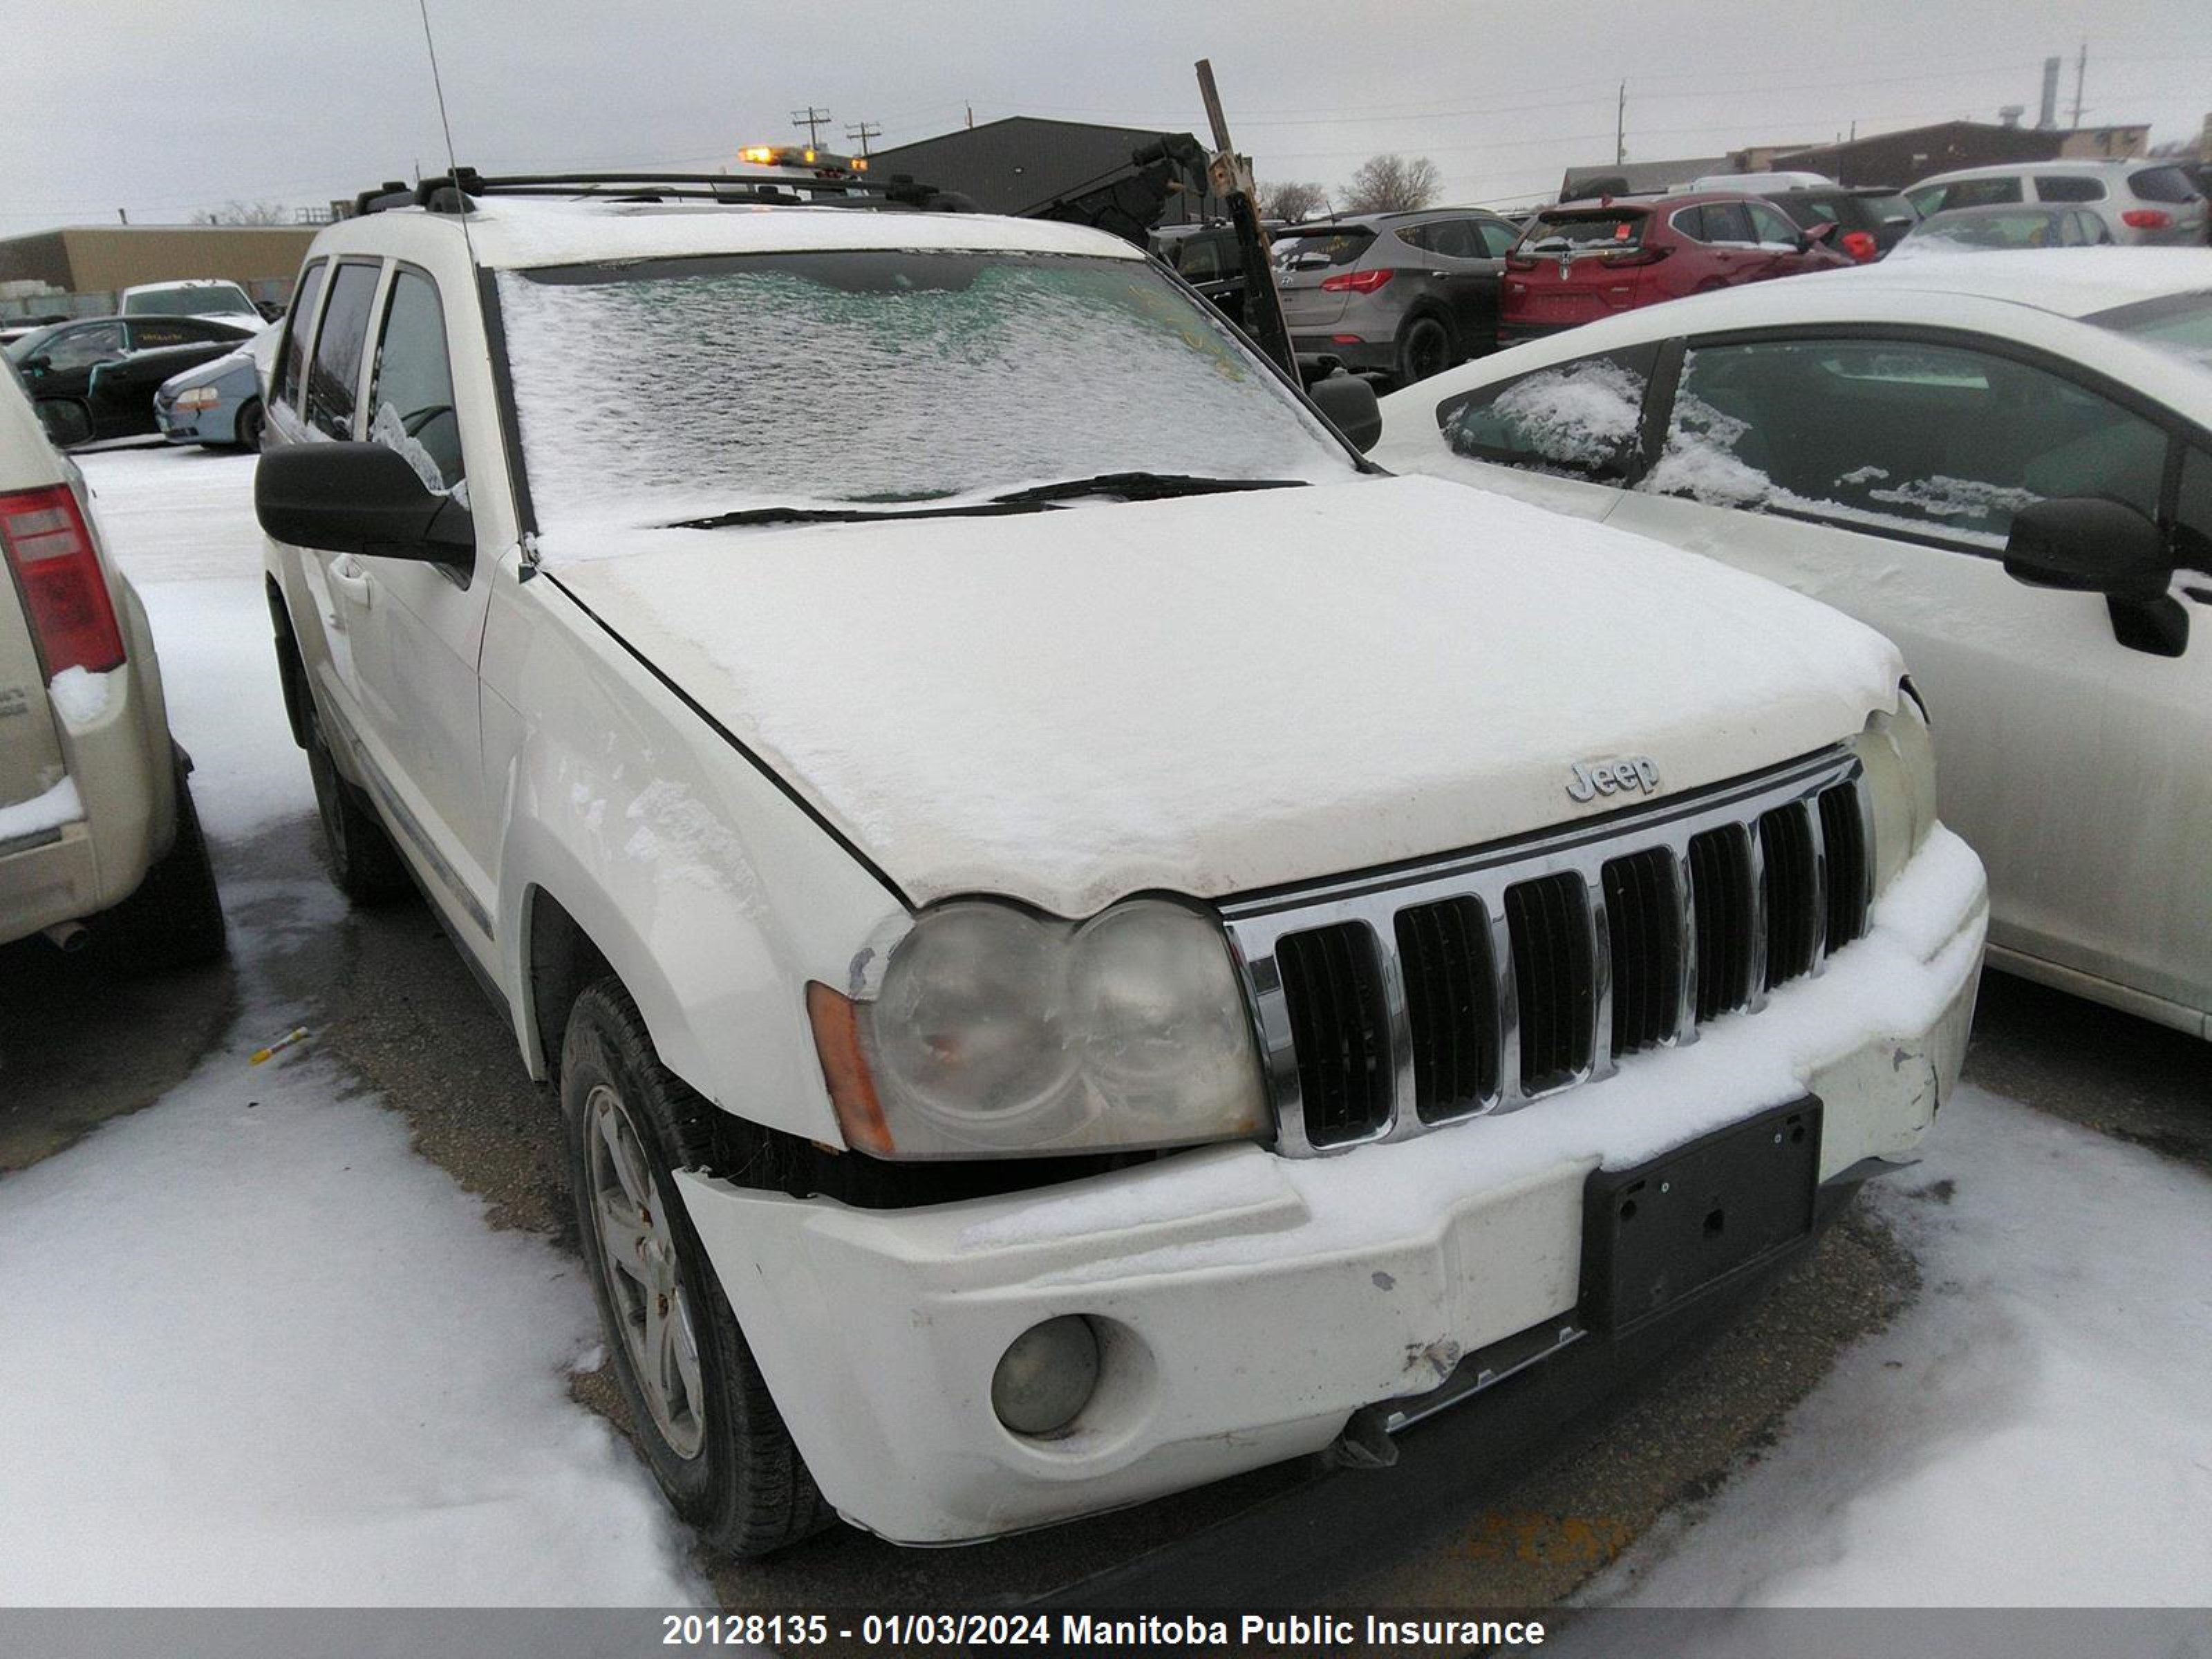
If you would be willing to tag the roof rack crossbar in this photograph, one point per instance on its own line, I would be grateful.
(452, 193)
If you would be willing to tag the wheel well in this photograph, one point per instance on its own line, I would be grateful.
(291, 672)
(562, 961)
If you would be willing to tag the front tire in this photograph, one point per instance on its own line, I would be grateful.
(364, 864)
(703, 1414)
(245, 430)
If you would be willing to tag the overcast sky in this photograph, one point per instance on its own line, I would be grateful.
(165, 109)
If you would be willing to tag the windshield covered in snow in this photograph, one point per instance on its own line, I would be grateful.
(665, 389)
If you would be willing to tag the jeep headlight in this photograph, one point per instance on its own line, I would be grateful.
(996, 1032)
(1900, 763)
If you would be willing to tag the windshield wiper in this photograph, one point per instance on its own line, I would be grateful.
(766, 515)
(1136, 487)
(1129, 486)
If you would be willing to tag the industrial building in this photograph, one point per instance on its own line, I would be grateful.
(87, 265)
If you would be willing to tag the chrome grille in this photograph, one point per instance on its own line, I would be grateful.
(1390, 1004)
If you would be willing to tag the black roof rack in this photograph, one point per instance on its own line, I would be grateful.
(453, 192)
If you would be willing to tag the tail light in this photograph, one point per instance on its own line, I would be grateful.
(1356, 282)
(1861, 247)
(2146, 219)
(64, 595)
(1520, 262)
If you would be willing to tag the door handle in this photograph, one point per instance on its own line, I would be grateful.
(347, 578)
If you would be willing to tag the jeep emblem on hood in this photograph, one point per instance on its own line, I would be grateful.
(1591, 778)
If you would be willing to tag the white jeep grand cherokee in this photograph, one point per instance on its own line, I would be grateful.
(1044, 882)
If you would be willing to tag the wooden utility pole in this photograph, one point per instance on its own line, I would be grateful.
(1620, 127)
(2080, 72)
(1229, 176)
(813, 119)
(864, 131)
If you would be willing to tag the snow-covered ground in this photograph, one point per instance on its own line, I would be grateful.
(2036, 1430)
(252, 1348)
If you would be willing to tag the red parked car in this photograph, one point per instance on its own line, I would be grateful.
(1584, 260)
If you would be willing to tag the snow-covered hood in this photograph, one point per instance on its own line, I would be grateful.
(1216, 694)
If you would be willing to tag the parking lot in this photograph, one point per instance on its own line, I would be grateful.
(398, 1032)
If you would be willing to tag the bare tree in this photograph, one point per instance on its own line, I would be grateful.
(1391, 184)
(1292, 200)
(247, 213)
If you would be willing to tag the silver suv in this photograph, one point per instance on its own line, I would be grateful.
(1405, 295)
(2140, 203)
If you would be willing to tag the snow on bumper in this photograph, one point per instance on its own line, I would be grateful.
(1249, 1303)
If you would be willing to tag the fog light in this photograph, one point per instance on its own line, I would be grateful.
(1047, 1376)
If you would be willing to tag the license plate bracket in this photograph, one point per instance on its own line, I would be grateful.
(1688, 1222)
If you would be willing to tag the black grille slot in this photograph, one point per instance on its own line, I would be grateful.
(1843, 836)
(1720, 891)
(1451, 1003)
(1340, 1025)
(1789, 892)
(1553, 977)
(1643, 927)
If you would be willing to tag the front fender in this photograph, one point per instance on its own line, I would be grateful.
(707, 891)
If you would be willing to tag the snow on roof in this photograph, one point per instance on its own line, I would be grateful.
(2065, 281)
(513, 233)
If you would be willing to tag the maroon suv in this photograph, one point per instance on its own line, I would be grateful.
(1584, 260)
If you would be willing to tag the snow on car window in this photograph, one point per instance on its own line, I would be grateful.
(1579, 419)
(1929, 438)
(669, 389)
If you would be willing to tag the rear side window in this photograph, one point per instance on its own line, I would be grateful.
(411, 388)
(336, 371)
(2163, 185)
(1728, 221)
(2069, 187)
(1578, 420)
(1771, 227)
(1454, 238)
(1936, 440)
(1979, 192)
(1498, 236)
(299, 317)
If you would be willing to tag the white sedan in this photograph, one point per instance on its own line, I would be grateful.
(2003, 462)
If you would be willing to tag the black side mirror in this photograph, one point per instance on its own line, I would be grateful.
(359, 498)
(36, 364)
(1349, 403)
(2088, 546)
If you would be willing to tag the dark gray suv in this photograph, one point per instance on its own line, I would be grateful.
(1405, 295)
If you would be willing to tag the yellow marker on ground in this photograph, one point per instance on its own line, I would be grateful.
(297, 1034)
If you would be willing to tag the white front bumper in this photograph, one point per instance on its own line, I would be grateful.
(1252, 1303)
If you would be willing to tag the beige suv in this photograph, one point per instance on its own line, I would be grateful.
(98, 842)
